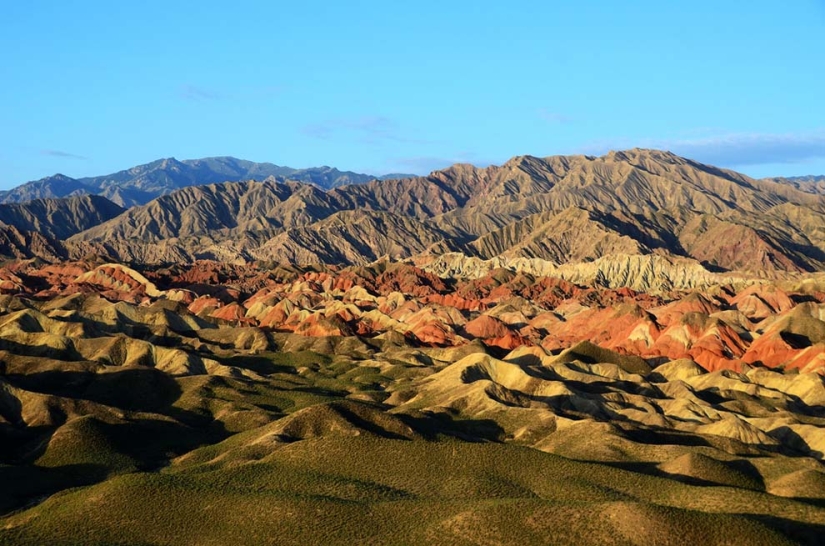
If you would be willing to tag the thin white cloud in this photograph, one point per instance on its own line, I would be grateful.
(734, 149)
(753, 148)
(423, 164)
(426, 164)
(553, 117)
(197, 93)
(60, 153)
(365, 129)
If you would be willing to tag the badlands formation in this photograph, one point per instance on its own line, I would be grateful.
(618, 350)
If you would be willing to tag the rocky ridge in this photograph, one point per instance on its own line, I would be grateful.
(562, 210)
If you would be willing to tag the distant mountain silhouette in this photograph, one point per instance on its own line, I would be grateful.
(808, 184)
(141, 184)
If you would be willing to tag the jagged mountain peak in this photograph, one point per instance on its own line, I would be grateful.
(644, 153)
(169, 162)
(58, 177)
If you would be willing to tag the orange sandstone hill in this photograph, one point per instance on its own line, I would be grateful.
(779, 325)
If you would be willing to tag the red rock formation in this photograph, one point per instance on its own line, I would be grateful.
(486, 327)
(316, 326)
(503, 309)
(233, 312)
(434, 334)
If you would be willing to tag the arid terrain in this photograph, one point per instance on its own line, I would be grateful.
(626, 349)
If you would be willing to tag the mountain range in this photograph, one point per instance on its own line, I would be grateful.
(141, 184)
(548, 212)
(809, 184)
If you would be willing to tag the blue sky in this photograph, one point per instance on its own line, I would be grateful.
(94, 87)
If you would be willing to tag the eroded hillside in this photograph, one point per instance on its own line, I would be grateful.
(187, 395)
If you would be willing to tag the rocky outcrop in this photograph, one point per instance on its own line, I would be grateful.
(652, 273)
